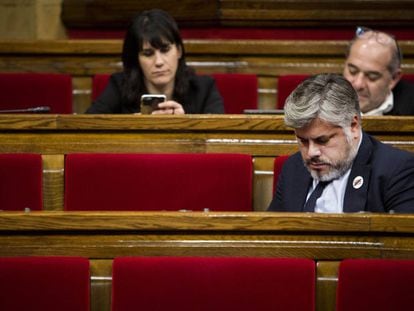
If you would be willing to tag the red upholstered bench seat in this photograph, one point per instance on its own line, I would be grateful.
(217, 182)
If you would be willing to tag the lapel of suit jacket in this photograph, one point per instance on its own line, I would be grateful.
(301, 191)
(356, 195)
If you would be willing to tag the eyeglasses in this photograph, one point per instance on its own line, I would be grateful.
(380, 36)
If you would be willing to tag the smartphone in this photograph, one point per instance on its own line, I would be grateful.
(149, 102)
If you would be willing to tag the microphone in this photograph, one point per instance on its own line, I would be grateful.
(40, 109)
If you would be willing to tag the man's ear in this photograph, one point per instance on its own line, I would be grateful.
(355, 126)
(396, 77)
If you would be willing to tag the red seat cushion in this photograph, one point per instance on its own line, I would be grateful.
(375, 284)
(158, 182)
(21, 182)
(207, 283)
(44, 284)
(30, 90)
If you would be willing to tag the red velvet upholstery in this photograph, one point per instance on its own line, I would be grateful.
(277, 168)
(44, 284)
(99, 83)
(158, 182)
(29, 90)
(285, 85)
(20, 182)
(208, 283)
(375, 284)
(408, 77)
(239, 91)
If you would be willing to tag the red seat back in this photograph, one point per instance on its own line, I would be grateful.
(44, 284)
(158, 182)
(408, 77)
(99, 83)
(286, 84)
(30, 90)
(239, 91)
(207, 283)
(375, 284)
(21, 182)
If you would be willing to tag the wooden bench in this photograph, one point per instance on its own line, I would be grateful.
(102, 236)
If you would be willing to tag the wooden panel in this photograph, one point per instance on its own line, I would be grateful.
(326, 283)
(94, 13)
(53, 181)
(102, 236)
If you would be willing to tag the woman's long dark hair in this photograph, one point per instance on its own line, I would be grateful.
(153, 26)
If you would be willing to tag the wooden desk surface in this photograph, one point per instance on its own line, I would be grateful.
(105, 235)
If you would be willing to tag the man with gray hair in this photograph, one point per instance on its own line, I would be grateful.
(339, 168)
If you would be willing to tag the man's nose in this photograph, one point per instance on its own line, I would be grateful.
(313, 150)
(358, 81)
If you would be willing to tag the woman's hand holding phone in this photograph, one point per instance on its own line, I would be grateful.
(157, 104)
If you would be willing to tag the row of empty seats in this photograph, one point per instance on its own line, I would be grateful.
(216, 182)
(204, 283)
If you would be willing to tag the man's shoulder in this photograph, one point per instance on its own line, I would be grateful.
(403, 98)
(388, 154)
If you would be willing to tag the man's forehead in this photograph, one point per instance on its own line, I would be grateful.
(317, 128)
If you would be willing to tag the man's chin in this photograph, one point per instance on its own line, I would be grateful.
(324, 175)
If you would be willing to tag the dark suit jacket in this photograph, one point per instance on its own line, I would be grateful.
(388, 175)
(202, 97)
(403, 99)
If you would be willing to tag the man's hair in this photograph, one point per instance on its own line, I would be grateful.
(329, 97)
(396, 54)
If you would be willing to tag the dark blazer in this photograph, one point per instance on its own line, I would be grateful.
(403, 99)
(388, 175)
(202, 97)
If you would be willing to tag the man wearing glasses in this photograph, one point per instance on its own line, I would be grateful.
(373, 66)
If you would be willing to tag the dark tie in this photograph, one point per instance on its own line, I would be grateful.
(310, 203)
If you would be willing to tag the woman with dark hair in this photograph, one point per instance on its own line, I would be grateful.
(153, 59)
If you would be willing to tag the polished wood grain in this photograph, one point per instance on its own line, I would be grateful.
(77, 13)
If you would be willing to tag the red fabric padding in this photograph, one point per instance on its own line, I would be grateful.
(408, 77)
(277, 169)
(207, 283)
(219, 182)
(99, 83)
(375, 284)
(29, 90)
(239, 91)
(21, 182)
(286, 84)
(44, 284)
